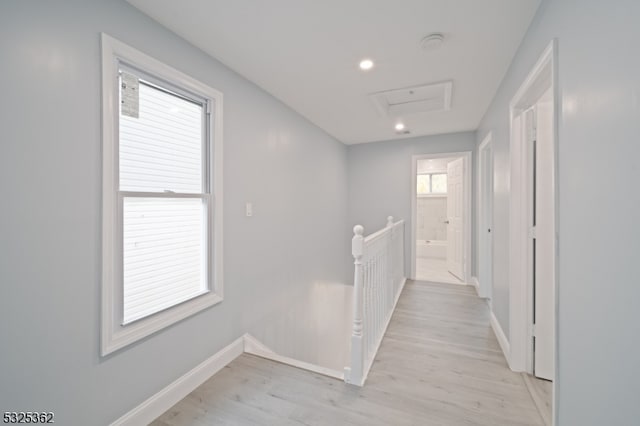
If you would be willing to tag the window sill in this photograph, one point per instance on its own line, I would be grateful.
(117, 336)
(432, 195)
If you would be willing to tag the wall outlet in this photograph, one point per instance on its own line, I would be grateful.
(249, 209)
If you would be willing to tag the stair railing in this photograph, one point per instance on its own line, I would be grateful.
(378, 281)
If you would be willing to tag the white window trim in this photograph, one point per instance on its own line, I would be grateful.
(114, 335)
(434, 195)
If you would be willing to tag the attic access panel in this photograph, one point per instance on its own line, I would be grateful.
(433, 97)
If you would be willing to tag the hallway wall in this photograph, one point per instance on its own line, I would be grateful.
(380, 180)
(50, 220)
(599, 76)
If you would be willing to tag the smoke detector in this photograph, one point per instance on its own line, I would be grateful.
(432, 41)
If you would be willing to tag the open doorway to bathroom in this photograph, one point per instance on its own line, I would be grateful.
(441, 217)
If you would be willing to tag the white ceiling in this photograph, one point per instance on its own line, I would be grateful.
(306, 53)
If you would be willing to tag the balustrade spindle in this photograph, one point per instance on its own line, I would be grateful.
(378, 281)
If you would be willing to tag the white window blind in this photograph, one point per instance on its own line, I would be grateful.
(162, 170)
(162, 149)
(163, 260)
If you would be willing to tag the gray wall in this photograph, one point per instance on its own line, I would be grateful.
(380, 179)
(598, 376)
(50, 179)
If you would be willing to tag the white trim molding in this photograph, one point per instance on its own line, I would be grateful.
(153, 407)
(166, 398)
(502, 338)
(543, 75)
(115, 335)
(468, 190)
(476, 284)
(484, 217)
(254, 347)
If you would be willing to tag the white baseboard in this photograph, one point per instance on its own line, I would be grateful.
(156, 405)
(502, 338)
(153, 407)
(166, 398)
(254, 347)
(476, 284)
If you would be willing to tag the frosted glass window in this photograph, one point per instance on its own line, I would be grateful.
(161, 150)
(164, 249)
(439, 183)
(424, 184)
(431, 183)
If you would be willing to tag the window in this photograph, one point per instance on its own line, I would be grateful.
(432, 183)
(439, 183)
(162, 195)
(424, 184)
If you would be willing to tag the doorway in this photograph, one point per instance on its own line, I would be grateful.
(441, 219)
(485, 217)
(533, 218)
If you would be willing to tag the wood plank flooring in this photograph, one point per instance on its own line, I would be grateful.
(439, 364)
(435, 270)
(542, 394)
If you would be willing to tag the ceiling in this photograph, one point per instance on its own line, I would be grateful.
(306, 53)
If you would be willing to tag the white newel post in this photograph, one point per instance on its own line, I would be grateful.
(389, 221)
(357, 349)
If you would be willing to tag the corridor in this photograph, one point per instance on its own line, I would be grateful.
(439, 364)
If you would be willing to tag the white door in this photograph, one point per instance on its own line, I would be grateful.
(485, 263)
(543, 239)
(455, 222)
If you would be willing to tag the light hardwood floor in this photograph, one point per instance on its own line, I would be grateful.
(439, 364)
(435, 270)
(542, 393)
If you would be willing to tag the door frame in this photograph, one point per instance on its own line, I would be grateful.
(485, 203)
(468, 165)
(543, 75)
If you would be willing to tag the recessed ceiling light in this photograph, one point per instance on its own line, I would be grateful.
(366, 64)
(399, 127)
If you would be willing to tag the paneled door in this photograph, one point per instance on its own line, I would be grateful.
(485, 217)
(543, 238)
(455, 222)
